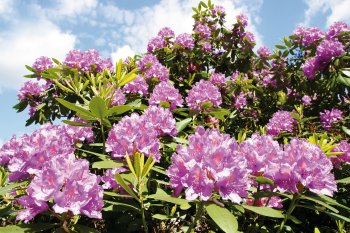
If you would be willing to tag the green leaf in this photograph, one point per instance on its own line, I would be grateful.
(207, 104)
(75, 107)
(4, 190)
(148, 166)
(220, 113)
(265, 211)
(118, 110)
(346, 130)
(85, 229)
(344, 180)
(106, 164)
(21, 228)
(319, 201)
(98, 107)
(126, 187)
(344, 80)
(75, 123)
(162, 196)
(222, 217)
(338, 216)
(181, 125)
(121, 204)
(264, 180)
(161, 217)
(280, 46)
(101, 156)
(118, 70)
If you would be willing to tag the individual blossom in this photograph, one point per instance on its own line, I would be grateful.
(330, 117)
(218, 11)
(306, 100)
(157, 71)
(185, 40)
(249, 37)
(166, 92)
(343, 147)
(310, 67)
(209, 163)
(79, 133)
(308, 36)
(217, 79)
(264, 52)
(166, 32)
(273, 202)
(280, 121)
(156, 43)
(203, 30)
(109, 181)
(329, 49)
(138, 85)
(161, 120)
(42, 63)
(32, 208)
(131, 135)
(147, 61)
(240, 101)
(336, 28)
(118, 97)
(304, 165)
(242, 19)
(202, 92)
(89, 60)
(29, 90)
(207, 46)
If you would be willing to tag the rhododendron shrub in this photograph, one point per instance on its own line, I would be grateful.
(202, 132)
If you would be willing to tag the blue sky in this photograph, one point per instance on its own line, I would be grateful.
(33, 28)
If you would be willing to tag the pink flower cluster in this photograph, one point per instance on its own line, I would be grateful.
(280, 121)
(264, 52)
(217, 79)
(161, 40)
(203, 30)
(29, 90)
(202, 92)
(308, 36)
(42, 63)
(185, 40)
(140, 133)
(343, 147)
(166, 92)
(330, 117)
(118, 97)
(89, 60)
(336, 28)
(138, 85)
(152, 68)
(209, 163)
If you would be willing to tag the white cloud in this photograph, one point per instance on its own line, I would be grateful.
(122, 53)
(24, 44)
(5, 6)
(71, 8)
(144, 23)
(339, 10)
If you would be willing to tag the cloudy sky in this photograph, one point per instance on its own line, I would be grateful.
(33, 28)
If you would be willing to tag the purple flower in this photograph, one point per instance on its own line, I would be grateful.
(306, 100)
(131, 134)
(217, 79)
(109, 179)
(250, 37)
(207, 46)
(185, 40)
(209, 163)
(156, 43)
(32, 208)
(118, 97)
(79, 133)
(138, 85)
(336, 28)
(166, 92)
(310, 67)
(157, 71)
(203, 91)
(280, 121)
(344, 147)
(219, 11)
(166, 32)
(264, 52)
(42, 63)
(240, 101)
(242, 19)
(330, 117)
(305, 164)
(203, 30)
(161, 120)
(329, 49)
(29, 90)
(89, 60)
(147, 61)
(308, 36)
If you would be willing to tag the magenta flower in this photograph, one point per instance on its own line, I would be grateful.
(280, 121)
(138, 85)
(29, 90)
(217, 79)
(207, 46)
(118, 97)
(264, 52)
(209, 163)
(203, 30)
(240, 101)
(203, 91)
(156, 43)
(157, 71)
(344, 147)
(161, 120)
(218, 11)
(89, 60)
(147, 61)
(32, 208)
(166, 32)
(310, 67)
(308, 36)
(109, 179)
(166, 92)
(336, 28)
(42, 63)
(185, 40)
(329, 49)
(242, 19)
(330, 117)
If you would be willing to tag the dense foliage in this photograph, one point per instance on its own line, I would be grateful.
(201, 133)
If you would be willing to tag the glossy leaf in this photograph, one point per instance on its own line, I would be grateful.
(222, 217)
(265, 211)
(98, 107)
